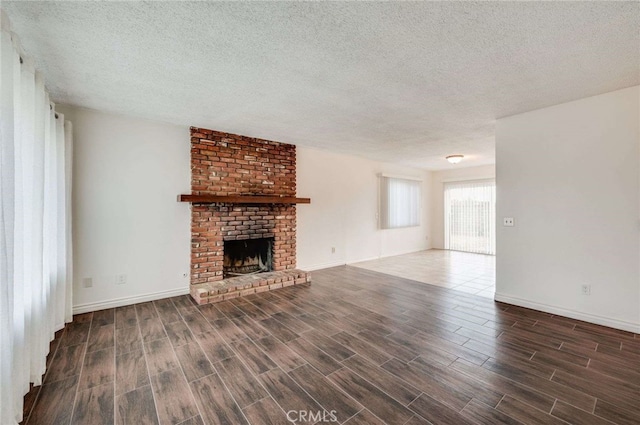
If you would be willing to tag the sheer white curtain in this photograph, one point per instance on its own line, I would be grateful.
(470, 216)
(399, 202)
(35, 224)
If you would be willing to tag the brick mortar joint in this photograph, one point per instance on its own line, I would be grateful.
(231, 164)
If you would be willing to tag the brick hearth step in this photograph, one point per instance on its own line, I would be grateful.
(212, 292)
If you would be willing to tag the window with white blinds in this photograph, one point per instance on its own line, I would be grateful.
(470, 216)
(399, 202)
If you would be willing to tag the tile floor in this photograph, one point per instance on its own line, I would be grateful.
(461, 271)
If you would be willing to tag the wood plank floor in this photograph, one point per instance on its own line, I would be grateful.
(355, 347)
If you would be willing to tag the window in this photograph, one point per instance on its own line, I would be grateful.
(470, 216)
(399, 202)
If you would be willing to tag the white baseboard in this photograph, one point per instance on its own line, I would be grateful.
(352, 262)
(119, 302)
(409, 251)
(395, 254)
(322, 266)
(573, 314)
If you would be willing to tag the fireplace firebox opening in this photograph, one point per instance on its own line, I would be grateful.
(247, 256)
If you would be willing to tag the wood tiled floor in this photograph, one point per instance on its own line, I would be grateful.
(368, 347)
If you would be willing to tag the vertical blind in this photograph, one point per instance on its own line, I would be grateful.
(35, 225)
(399, 202)
(470, 216)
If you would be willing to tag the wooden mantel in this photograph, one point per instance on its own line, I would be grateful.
(242, 199)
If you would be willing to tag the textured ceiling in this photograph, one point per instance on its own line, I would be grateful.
(400, 82)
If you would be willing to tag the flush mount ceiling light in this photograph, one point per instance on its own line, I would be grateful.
(454, 159)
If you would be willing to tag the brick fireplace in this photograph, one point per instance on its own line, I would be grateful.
(241, 193)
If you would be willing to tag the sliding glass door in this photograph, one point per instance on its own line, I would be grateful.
(470, 216)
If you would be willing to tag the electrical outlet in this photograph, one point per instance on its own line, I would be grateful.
(586, 289)
(508, 222)
(333, 249)
(87, 282)
(185, 275)
(121, 279)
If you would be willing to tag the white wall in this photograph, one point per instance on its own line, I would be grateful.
(439, 178)
(344, 209)
(127, 173)
(570, 176)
